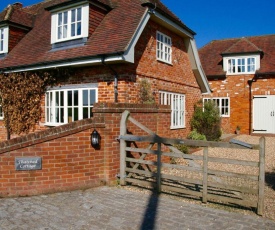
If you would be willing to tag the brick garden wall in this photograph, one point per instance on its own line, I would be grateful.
(68, 160)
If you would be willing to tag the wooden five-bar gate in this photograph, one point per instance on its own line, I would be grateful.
(151, 160)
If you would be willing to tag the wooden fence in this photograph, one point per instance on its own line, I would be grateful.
(157, 160)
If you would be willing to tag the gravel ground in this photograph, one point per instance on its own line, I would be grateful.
(269, 204)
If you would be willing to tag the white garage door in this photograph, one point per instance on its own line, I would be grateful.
(264, 114)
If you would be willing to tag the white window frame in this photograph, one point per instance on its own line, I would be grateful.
(84, 23)
(164, 48)
(177, 103)
(4, 40)
(224, 107)
(62, 109)
(241, 64)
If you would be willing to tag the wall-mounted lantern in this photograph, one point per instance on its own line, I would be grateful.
(95, 139)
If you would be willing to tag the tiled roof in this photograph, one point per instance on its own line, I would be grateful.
(243, 45)
(15, 14)
(112, 35)
(211, 53)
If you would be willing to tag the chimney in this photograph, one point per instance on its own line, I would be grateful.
(17, 5)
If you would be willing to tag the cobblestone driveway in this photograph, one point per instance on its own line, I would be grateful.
(115, 208)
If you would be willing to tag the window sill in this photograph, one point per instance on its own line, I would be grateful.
(178, 127)
(54, 124)
(236, 74)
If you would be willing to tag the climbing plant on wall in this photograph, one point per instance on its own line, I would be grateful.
(145, 92)
(21, 95)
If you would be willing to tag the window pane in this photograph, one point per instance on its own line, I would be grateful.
(75, 114)
(75, 97)
(72, 30)
(70, 98)
(62, 98)
(60, 19)
(73, 15)
(57, 98)
(70, 115)
(92, 97)
(79, 14)
(85, 113)
(59, 31)
(65, 32)
(62, 115)
(79, 28)
(65, 18)
(85, 97)
(57, 115)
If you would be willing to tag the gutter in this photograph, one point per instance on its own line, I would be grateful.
(75, 62)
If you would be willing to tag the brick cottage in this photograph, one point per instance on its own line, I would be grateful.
(241, 73)
(110, 48)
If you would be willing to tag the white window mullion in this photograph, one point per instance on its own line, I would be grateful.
(66, 120)
(80, 104)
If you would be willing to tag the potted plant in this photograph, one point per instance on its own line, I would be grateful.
(238, 129)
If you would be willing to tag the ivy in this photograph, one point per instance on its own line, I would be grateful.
(21, 95)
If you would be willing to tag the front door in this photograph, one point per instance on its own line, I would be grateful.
(264, 114)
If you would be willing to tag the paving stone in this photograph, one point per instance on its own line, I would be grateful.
(114, 208)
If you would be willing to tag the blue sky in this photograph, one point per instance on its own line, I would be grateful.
(215, 19)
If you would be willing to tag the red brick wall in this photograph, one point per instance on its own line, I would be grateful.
(237, 88)
(68, 160)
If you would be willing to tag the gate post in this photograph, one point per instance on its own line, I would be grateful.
(123, 131)
(205, 175)
(159, 169)
(260, 208)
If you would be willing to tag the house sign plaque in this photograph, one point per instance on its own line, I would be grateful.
(28, 163)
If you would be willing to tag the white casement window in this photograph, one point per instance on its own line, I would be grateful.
(177, 103)
(69, 104)
(241, 65)
(164, 48)
(70, 24)
(223, 103)
(4, 39)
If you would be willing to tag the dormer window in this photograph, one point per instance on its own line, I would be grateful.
(241, 64)
(69, 24)
(4, 40)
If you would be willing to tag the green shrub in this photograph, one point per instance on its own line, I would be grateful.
(194, 135)
(182, 148)
(207, 121)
